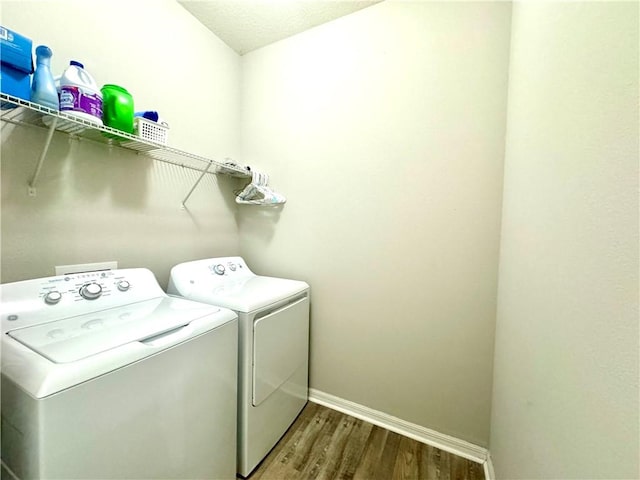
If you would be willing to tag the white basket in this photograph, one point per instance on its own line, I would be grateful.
(152, 131)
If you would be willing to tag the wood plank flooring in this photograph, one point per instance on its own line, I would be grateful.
(326, 444)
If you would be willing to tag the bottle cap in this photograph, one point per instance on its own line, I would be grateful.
(43, 50)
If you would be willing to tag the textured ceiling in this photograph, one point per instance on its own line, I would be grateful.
(246, 25)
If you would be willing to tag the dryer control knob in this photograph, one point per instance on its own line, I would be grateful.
(91, 291)
(52, 298)
(219, 269)
(123, 285)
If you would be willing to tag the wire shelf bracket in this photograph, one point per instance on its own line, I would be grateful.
(204, 172)
(31, 188)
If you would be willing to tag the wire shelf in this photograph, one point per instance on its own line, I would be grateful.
(32, 114)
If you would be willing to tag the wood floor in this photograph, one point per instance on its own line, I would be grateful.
(326, 444)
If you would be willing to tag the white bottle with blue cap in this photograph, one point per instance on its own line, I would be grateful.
(79, 94)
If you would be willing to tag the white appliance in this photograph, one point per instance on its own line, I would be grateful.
(106, 376)
(273, 348)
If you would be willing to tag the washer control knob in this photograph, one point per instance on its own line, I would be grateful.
(123, 285)
(232, 266)
(51, 298)
(91, 291)
(219, 269)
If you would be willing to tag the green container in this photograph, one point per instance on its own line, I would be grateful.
(117, 108)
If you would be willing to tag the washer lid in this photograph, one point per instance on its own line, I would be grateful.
(75, 338)
(247, 294)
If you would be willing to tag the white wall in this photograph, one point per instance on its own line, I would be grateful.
(565, 398)
(385, 130)
(96, 204)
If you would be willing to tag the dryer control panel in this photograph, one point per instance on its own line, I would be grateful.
(207, 275)
(229, 266)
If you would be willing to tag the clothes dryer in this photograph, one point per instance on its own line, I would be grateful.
(106, 376)
(273, 347)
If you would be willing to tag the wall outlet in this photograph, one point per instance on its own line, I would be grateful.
(86, 267)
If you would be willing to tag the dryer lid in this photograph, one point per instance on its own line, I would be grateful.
(247, 294)
(75, 338)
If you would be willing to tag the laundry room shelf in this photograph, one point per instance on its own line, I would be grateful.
(31, 114)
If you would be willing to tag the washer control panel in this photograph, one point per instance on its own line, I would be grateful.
(50, 298)
(82, 286)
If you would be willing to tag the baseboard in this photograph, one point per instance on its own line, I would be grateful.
(422, 434)
(489, 473)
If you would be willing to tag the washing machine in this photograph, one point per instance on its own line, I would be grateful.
(273, 347)
(104, 376)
